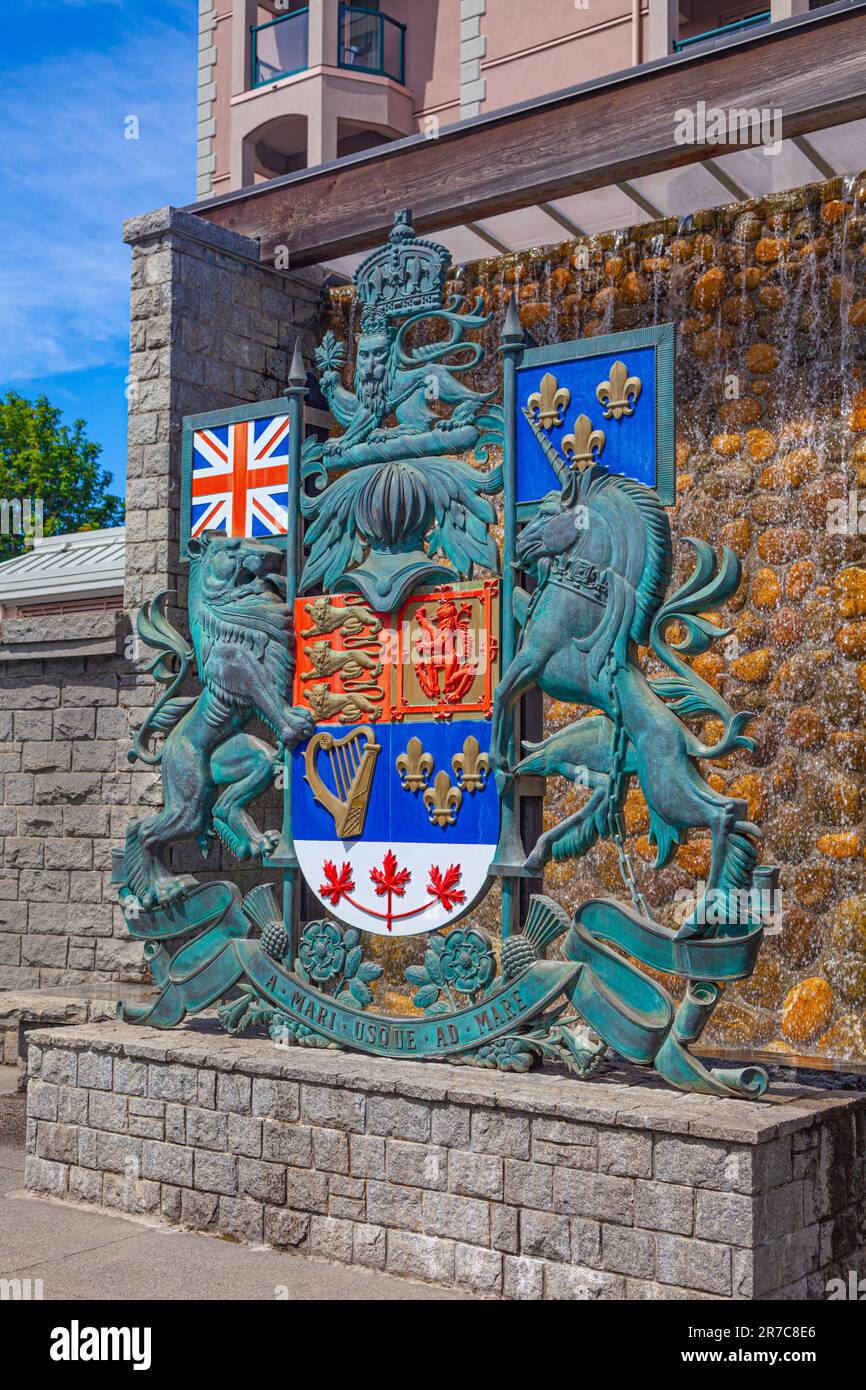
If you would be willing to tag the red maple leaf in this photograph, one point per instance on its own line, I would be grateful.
(390, 879)
(339, 884)
(443, 886)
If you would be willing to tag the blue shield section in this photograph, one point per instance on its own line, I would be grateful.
(639, 446)
(438, 838)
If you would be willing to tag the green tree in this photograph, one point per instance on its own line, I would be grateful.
(40, 457)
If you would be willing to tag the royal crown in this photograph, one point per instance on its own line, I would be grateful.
(405, 276)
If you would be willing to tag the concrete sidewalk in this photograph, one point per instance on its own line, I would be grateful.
(80, 1253)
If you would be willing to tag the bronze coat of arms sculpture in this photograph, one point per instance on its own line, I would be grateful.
(385, 642)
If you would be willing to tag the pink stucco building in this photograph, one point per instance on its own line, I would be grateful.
(285, 85)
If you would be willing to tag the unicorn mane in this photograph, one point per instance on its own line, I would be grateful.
(600, 488)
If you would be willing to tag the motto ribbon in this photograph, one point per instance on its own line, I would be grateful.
(635, 1015)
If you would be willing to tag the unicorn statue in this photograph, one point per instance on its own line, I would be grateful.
(601, 553)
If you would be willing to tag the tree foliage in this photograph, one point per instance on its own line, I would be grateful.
(40, 457)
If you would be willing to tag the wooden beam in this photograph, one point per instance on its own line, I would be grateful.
(604, 132)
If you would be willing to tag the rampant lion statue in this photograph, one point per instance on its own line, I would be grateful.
(242, 643)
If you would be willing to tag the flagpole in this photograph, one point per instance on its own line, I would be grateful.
(296, 391)
(510, 854)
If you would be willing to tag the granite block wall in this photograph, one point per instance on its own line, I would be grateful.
(540, 1187)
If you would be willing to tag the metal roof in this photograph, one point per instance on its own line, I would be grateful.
(81, 564)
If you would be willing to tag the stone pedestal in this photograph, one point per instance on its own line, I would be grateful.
(527, 1187)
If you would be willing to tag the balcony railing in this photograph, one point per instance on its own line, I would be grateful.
(280, 47)
(749, 23)
(372, 42)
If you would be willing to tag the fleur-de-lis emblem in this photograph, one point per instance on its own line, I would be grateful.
(549, 403)
(583, 446)
(414, 766)
(619, 395)
(443, 800)
(471, 767)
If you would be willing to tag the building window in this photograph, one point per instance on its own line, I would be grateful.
(372, 42)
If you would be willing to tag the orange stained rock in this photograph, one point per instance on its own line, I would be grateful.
(737, 309)
(745, 411)
(710, 667)
(766, 589)
(633, 288)
(727, 444)
(819, 247)
(813, 886)
(695, 856)
(847, 1038)
(704, 246)
(711, 343)
(786, 627)
(769, 249)
(532, 314)
(645, 849)
(560, 278)
(805, 727)
(750, 788)
(842, 844)
(807, 1010)
(834, 211)
(857, 318)
(771, 297)
(761, 444)
(790, 471)
(762, 357)
(781, 543)
(754, 666)
(850, 587)
(636, 811)
(738, 535)
(800, 578)
(851, 639)
(783, 778)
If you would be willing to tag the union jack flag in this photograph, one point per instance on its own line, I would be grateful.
(240, 478)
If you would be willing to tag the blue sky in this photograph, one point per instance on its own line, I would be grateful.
(71, 72)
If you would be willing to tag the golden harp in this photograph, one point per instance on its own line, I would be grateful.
(353, 762)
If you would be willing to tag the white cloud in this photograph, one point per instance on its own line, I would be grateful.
(70, 177)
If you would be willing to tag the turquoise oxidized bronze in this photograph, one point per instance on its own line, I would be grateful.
(394, 727)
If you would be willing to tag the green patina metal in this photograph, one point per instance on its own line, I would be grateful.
(395, 504)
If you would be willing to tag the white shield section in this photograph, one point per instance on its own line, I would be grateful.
(394, 889)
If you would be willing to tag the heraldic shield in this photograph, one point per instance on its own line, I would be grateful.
(379, 596)
(395, 813)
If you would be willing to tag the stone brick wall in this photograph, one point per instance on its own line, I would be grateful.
(67, 794)
(210, 327)
(525, 1188)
